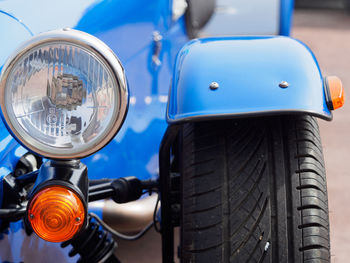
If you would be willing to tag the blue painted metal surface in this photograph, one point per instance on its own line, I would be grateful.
(248, 71)
(286, 17)
(15, 33)
(127, 27)
(10, 150)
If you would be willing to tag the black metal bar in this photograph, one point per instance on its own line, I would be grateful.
(28, 178)
(150, 184)
(103, 194)
(99, 181)
(99, 187)
(121, 190)
(167, 229)
(12, 213)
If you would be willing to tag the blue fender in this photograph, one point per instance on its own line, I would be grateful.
(249, 71)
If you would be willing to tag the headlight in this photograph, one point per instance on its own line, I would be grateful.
(64, 94)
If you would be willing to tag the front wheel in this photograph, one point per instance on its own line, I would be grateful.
(254, 190)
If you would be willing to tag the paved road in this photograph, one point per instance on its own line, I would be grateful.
(328, 35)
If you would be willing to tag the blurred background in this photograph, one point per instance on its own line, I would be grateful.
(324, 25)
(327, 32)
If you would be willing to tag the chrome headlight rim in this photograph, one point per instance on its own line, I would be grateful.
(103, 53)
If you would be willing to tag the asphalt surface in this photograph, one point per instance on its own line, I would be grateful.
(327, 33)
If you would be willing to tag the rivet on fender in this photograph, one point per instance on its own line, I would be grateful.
(214, 85)
(284, 84)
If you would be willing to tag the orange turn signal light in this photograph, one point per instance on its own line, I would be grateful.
(56, 213)
(335, 92)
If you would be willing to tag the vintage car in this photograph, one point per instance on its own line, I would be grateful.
(114, 122)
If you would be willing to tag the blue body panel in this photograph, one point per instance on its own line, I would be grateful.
(15, 32)
(286, 16)
(248, 71)
(127, 27)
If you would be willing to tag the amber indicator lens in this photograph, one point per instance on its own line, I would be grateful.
(56, 214)
(336, 92)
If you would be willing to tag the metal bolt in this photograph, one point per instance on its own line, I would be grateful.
(214, 86)
(284, 84)
(77, 219)
(31, 216)
(157, 36)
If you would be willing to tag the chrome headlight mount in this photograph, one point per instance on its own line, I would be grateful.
(64, 94)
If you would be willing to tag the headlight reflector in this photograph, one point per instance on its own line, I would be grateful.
(64, 95)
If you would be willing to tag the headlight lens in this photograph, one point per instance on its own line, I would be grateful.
(64, 97)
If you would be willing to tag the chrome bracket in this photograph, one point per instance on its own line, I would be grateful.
(157, 48)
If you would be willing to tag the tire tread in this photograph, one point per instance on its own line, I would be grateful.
(254, 190)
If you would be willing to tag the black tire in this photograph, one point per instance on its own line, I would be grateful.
(254, 190)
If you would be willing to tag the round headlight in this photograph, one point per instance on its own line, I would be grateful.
(64, 94)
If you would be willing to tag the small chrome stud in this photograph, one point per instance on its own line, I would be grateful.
(214, 85)
(284, 84)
